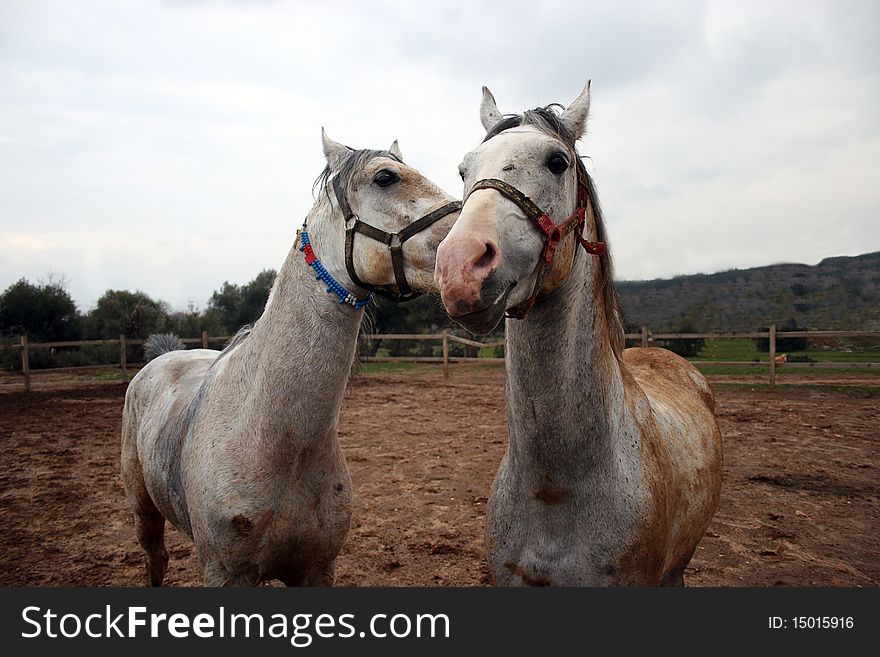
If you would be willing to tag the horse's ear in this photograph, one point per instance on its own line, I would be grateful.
(575, 115)
(334, 152)
(395, 151)
(489, 114)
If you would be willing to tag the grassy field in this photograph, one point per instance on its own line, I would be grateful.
(747, 350)
(763, 370)
(744, 350)
(383, 368)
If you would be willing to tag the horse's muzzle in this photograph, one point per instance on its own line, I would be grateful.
(464, 267)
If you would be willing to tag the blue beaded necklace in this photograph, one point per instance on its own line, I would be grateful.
(323, 275)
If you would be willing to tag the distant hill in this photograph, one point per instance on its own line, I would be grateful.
(838, 293)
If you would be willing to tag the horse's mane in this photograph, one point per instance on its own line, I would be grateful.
(547, 120)
(234, 341)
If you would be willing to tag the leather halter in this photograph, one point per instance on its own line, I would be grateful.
(553, 233)
(394, 242)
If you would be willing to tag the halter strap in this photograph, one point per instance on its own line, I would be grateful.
(394, 242)
(524, 203)
(553, 233)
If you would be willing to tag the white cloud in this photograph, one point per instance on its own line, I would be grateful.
(170, 147)
(28, 243)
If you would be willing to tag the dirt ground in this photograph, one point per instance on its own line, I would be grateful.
(799, 504)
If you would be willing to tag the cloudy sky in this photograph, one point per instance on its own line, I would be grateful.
(169, 146)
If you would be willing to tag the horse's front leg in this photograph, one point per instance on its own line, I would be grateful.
(216, 573)
(319, 576)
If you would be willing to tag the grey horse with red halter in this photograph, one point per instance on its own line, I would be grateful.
(614, 460)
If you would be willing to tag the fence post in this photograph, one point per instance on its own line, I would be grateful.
(644, 336)
(25, 363)
(123, 362)
(772, 355)
(446, 354)
(204, 339)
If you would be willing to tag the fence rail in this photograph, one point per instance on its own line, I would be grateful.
(645, 337)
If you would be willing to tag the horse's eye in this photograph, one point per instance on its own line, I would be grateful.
(557, 163)
(385, 178)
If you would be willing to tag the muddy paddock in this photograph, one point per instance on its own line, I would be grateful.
(799, 504)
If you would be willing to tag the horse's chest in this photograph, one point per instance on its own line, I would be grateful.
(306, 532)
(542, 534)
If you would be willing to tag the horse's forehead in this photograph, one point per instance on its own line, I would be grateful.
(518, 140)
(413, 180)
(524, 129)
(382, 162)
(523, 135)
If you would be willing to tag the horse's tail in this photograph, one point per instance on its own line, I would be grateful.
(161, 343)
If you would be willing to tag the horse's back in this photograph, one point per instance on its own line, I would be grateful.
(682, 405)
(683, 410)
(172, 368)
(668, 373)
(163, 383)
(159, 407)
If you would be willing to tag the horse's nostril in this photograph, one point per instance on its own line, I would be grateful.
(487, 258)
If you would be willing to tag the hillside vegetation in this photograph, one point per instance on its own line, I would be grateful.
(838, 293)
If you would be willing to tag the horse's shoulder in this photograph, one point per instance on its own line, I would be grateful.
(652, 357)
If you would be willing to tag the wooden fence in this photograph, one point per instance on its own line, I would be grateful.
(645, 338)
(445, 338)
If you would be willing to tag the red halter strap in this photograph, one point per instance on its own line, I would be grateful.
(553, 233)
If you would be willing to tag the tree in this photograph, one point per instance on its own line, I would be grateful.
(43, 312)
(237, 305)
(191, 322)
(131, 313)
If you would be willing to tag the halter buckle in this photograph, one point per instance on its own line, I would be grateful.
(554, 237)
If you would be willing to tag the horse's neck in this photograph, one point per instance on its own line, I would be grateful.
(291, 371)
(564, 383)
